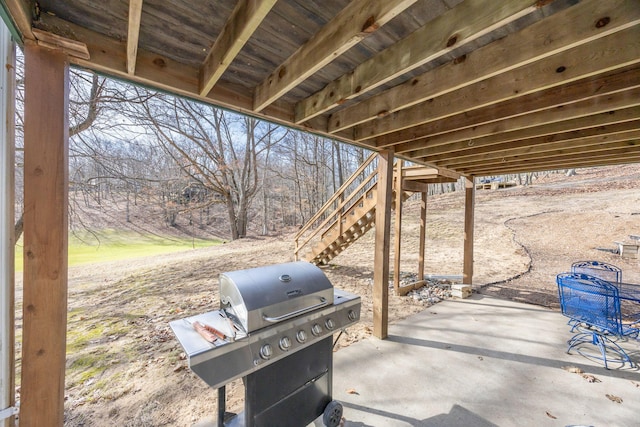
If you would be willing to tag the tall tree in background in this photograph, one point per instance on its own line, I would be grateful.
(217, 150)
(84, 108)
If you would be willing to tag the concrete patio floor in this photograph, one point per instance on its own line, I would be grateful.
(479, 362)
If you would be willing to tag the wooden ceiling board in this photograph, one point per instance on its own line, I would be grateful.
(525, 79)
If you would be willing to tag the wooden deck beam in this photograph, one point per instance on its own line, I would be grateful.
(469, 208)
(423, 235)
(382, 245)
(46, 180)
(397, 237)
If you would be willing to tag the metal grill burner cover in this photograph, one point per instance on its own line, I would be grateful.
(260, 297)
(275, 331)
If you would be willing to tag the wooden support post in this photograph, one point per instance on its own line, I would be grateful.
(46, 180)
(398, 228)
(469, 206)
(423, 235)
(383, 244)
(7, 235)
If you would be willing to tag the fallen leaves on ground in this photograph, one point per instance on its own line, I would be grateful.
(613, 398)
(573, 369)
(353, 391)
(550, 415)
(590, 378)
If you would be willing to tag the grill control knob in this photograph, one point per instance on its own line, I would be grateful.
(301, 336)
(330, 324)
(316, 329)
(352, 315)
(266, 351)
(285, 343)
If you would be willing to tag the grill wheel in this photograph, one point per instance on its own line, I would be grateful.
(332, 414)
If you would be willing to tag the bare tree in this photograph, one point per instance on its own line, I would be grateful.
(217, 150)
(84, 110)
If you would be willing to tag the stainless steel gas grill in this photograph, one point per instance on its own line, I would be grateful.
(274, 329)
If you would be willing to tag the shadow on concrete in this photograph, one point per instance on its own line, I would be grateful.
(457, 416)
(629, 373)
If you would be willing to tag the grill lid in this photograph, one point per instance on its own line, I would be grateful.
(262, 296)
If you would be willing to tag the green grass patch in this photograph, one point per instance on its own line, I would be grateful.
(111, 245)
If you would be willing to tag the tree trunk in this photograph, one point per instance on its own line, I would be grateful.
(231, 211)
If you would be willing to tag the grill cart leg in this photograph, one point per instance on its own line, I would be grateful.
(222, 402)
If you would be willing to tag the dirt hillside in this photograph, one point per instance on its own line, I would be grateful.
(125, 368)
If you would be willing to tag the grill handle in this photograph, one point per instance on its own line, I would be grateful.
(322, 303)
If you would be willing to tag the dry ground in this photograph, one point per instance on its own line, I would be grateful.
(125, 368)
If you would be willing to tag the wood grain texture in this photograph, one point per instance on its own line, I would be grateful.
(423, 234)
(357, 21)
(540, 40)
(605, 54)
(45, 237)
(595, 111)
(629, 154)
(133, 34)
(397, 236)
(383, 245)
(242, 23)
(516, 112)
(594, 145)
(420, 47)
(469, 216)
(598, 135)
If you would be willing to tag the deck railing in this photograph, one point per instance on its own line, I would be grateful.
(331, 214)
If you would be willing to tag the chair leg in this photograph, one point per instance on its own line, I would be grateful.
(610, 351)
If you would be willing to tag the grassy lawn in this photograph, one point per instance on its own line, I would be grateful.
(111, 245)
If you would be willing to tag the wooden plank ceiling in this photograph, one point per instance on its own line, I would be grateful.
(473, 87)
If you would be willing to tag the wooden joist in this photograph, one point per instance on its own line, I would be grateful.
(355, 22)
(447, 32)
(585, 140)
(133, 34)
(244, 20)
(546, 131)
(525, 47)
(617, 157)
(546, 106)
(614, 51)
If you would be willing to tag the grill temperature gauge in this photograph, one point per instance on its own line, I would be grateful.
(266, 351)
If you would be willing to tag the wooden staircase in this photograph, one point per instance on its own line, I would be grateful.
(346, 217)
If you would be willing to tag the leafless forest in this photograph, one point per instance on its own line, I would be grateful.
(192, 166)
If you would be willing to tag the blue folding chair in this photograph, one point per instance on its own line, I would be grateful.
(593, 305)
(601, 270)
